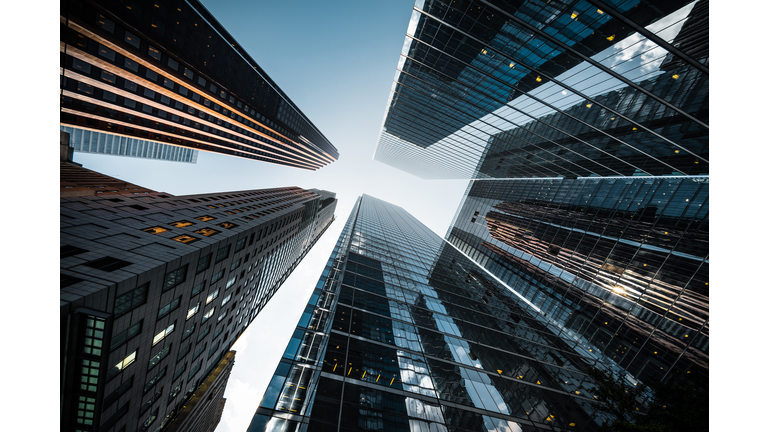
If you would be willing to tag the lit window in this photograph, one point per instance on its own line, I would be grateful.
(231, 282)
(221, 317)
(538, 79)
(163, 333)
(208, 314)
(226, 299)
(181, 224)
(185, 238)
(511, 65)
(122, 364)
(191, 312)
(211, 296)
(600, 12)
(675, 76)
(227, 225)
(574, 15)
(205, 218)
(206, 232)
(611, 37)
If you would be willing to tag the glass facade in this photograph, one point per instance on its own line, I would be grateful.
(621, 263)
(540, 88)
(169, 72)
(405, 332)
(86, 141)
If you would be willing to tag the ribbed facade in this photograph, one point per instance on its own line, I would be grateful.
(168, 72)
(87, 141)
(155, 289)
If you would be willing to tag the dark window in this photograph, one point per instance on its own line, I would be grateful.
(188, 332)
(154, 52)
(173, 64)
(183, 352)
(199, 352)
(123, 337)
(115, 395)
(203, 263)
(217, 277)
(222, 254)
(176, 375)
(158, 357)
(197, 288)
(149, 93)
(235, 265)
(108, 264)
(132, 39)
(151, 75)
(106, 52)
(188, 73)
(81, 66)
(131, 300)
(68, 251)
(240, 244)
(175, 277)
(213, 349)
(165, 310)
(203, 334)
(195, 370)
(153, 381)
(131, 65)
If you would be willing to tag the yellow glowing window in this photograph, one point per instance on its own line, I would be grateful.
(574, 15)
(485, 52)
(675, 76)
(589, 105)
(538, 79)
(611, 37)
(205, 218)
(511, 65)
(155, 230)
(206, 232)
(185, 238)
(229, 212)
(227, 225)
(600, 12)
(181, 224)
(213, 206)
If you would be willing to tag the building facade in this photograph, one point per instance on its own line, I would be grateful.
(572, 88)
(404, 332)
(87, 141)
(155, 289)
(168, 72)
(621, 263)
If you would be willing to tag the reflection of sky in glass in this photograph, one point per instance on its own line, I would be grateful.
(636, 58)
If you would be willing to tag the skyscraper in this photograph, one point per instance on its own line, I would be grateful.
(156, 288)
(404, 332)
(620, 262)
(169, 72)
(88, 141)
(530, 89)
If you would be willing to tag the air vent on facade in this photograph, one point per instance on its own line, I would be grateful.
(108, 264)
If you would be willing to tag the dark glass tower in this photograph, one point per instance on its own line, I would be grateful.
(620, 262)
(169, 72)
(404, 332)
(535, 88)
(155, 290)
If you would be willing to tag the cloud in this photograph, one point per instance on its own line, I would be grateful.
(242, 401)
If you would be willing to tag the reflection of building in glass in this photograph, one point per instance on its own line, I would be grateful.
(169, 72)
(622, 263)
(155, 289)
(472, 70)
(404, 332)
(585, 140)
(87, 141)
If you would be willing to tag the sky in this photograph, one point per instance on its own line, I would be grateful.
(336, 60)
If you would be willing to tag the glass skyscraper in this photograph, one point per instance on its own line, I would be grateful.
(491, 89)
(620, 262)
(404, 332)
(170, 72)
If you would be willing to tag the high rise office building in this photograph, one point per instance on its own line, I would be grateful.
(88, 141)
(404, 332)
(156, 288)
(169, 72)
(622, 263)
(491, 89)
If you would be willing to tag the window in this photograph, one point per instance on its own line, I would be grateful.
(213, 349)
(227, 225)
(123, 337)
(235, 265)
(182, 223)
(198, 288)
(82, 66)
(206, 232)
(221, 317)
(208, 314)
(165, 310)
(176, 375)
(132, 65)
(130, 300)
(108, 264)
(121, 365)
(173, 64)
(154, 53)
(192, 311)
(194, 370)
(175, 277)
(183, 352)
(222, 254)
(240, 244)
(231, 282)
(188, 73)
(115, 395)
(148, 422)
(218, 331)
(184, 238)
(106, 52)
(217, 276)
(158, 357)
(163, 333)
(203, 334)
(68, 251)
(203, 263)
(205, 218)
(226, 299)
(198, 352)
(153, 381)
(212, 296)
(132, 39)
(188, 332)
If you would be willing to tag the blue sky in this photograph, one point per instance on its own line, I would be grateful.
(336, 60)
